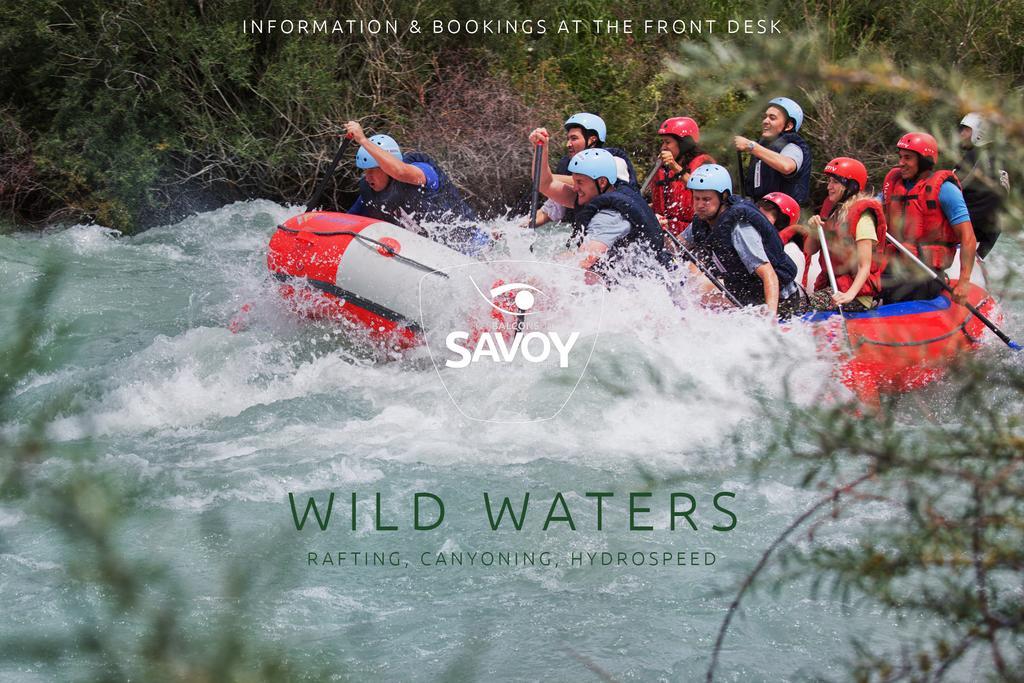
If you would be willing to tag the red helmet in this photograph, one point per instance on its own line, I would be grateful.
(922, 143)
(786, 204)
(849, 169)
(680, 126)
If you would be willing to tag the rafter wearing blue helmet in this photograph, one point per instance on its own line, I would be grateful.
(733, 238)
(410, 189)
(584, 131)
(608, 215)
(780, 158)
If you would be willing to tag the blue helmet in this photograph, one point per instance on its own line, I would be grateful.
(710, 177)
(595, 163)
(588, 122)
(386, 142)
(792, 110)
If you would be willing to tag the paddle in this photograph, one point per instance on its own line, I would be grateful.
(743, 176)
(832, 281)
(704, 269)
(945, 285)
(650, 177)
(535, 191)
(314, 201)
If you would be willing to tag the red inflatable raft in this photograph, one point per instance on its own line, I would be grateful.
(362, 270)
(901, 347)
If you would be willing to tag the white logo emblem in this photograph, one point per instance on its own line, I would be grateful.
(540, 325)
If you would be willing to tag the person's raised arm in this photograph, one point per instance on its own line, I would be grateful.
(780, 162)
(549, 186)
(389, 163)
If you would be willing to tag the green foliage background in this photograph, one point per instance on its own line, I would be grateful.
(130, 113)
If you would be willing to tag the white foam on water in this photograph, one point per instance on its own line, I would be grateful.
(666, 375)
(29, 563)
(10, 518)
(41, 379)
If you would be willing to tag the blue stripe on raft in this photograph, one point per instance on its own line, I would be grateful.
(939, 303)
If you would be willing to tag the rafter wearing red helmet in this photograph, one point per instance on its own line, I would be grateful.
(925, 210)
(855, 230)
(680, 156)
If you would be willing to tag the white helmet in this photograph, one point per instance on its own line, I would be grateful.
(978, 126)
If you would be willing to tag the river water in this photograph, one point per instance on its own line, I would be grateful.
(217, 428)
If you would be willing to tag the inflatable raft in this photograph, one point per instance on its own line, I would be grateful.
(368, 273)
(356, 269)
(904, 346)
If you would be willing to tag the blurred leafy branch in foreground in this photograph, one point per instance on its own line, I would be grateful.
(947, 559)
(126, 617)
(941, 543)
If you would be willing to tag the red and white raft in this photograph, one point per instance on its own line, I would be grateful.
(357, 269)
(368, 272)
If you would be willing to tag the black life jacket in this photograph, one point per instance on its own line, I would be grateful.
(715, 248)
(563, 169)
(563, 165)
(644, 226)
(399, 201)
(983, 194)
(796, 186)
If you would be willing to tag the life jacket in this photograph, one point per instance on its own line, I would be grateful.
(563, 169)
(983, 194)
(841, 231)
(563, 165)
(787, 234)
(915, 217)
(644, 226)
(762, 179)
(399, 202)
(714, 246)
(670, 197)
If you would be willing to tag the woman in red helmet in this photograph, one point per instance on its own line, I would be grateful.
(855, 229)
(680, 156)
(926, 211)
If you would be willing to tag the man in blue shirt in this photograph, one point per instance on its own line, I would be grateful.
(929, 229)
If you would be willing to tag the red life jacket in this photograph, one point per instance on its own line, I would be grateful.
(671, 199)
(916, 218)
(787, 234)
(841, 233)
